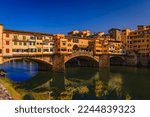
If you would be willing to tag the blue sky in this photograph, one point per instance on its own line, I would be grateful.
(62, 16)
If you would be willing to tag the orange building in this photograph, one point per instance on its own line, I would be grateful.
(137, 41)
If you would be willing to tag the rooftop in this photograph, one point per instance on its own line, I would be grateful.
(26, 32)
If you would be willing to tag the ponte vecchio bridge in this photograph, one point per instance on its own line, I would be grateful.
(57, 62)
(56, 50)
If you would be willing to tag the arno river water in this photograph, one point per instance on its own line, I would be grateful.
(116, 82)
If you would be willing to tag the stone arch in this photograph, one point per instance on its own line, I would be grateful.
(83, 56)
(32, 59)
(42, 64)
(117, 60)
(122, 57)
(81, 60)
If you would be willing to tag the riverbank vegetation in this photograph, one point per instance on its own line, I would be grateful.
(20, 94)
(9, 86)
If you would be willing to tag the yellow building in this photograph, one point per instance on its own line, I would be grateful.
(138, 41)
(116, 48)
(63, 45)
(124, 38)
(23, 43)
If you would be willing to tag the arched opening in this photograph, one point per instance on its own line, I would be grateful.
(82, 61)
(75, 48)
(43, 65)
(116, 61)
(24, 67)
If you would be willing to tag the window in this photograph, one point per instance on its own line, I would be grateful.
(39, 38)
(32, 37)
(14, 50)
(51, 49)
(64, 43)
(46, 50)
(15, 43)
(39, 50)
(138, 46)
(7, 34)
(24, 37)
(63, 49)
(7, 42)
(7, 50)
(51, 38)
(15, 37)
(51, 44)
(75, 40)
(20, 43)
(24, 43)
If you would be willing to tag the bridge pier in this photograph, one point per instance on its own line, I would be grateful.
(58, 63)
(104, 61)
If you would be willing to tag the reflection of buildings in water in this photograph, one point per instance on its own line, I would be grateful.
(115, 87)
(69, 92)
(76, 82)
(73, 85)
(99, 86)
(115, 83)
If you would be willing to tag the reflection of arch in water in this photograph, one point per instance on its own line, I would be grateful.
(37, 81)
(79, 76)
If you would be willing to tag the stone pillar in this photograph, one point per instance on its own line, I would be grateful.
(104, 61)
(58, 63)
